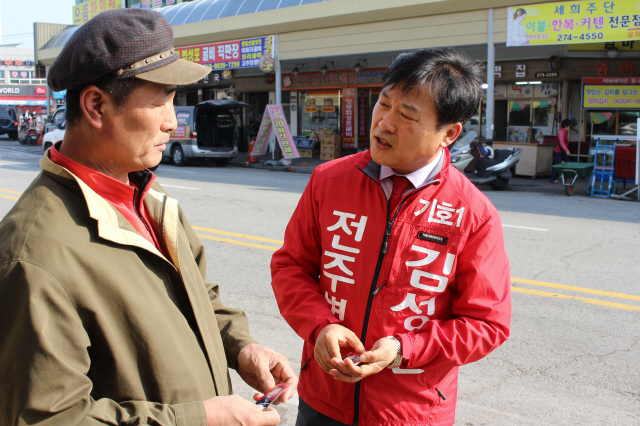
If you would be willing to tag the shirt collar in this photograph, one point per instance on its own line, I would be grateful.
(107, 187)
(417, 177)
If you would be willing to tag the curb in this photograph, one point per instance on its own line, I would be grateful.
(261, 166)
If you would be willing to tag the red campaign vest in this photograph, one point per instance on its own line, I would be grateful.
(437, 277)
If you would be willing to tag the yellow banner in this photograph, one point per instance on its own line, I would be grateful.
(83, 12)
(573, 22)
(611, 93)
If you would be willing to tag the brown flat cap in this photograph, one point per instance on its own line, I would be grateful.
(121, 44)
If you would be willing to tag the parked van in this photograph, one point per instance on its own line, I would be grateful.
(210, 130)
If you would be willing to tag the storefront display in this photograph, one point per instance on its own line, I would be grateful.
(321, 112)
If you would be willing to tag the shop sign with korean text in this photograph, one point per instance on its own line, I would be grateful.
(150, 4)
(573, 22)
(248, 53)
(519, 91)
(546, 90)
(83, 12)
(274, 120)
(363, 108)
(332, 79)
(348, 118)
(611, 93)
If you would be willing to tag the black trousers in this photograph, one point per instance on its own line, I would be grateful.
(558, 157)
(307, 416)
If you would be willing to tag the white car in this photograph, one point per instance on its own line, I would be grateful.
(53, 136)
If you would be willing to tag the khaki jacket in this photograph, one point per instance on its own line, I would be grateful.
(96, 325)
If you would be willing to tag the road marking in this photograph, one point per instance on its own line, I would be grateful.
(10, 192)
(239, 243)
(578, 289)
(181, 187)
(582, 299)
(233, 234)
(513, 279)
(524, 227)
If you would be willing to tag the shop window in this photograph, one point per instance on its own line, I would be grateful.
(519, 120)
(628, 122)
(2, 75)
(14, 81)
(544, 122)
(601, 122)
(611, 123)
(321, 112)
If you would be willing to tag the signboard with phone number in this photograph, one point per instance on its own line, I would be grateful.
(254, 52)
(573, 22)
(610, 93)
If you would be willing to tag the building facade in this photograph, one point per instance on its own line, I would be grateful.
(332, 54)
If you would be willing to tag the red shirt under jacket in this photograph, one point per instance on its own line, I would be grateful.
(124, 197)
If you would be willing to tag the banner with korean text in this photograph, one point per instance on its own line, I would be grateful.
(573, 22)
(363, 123)
(348, 118)
(274, 119)
(83, 12)
(253, 52)
(611, 93)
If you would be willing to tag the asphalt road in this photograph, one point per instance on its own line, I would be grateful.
(574, 353)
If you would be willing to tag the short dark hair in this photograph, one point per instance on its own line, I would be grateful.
(564, 123)
(120, 90)
(454, 81)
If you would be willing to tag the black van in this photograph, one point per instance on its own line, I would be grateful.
(210, 130)
(9, 122)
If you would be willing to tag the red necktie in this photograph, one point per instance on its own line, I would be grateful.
(400, 185)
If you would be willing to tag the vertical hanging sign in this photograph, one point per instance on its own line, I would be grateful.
(363, 122)
(348, 135)
(274, 119)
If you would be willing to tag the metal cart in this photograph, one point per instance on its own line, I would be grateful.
(571, 171)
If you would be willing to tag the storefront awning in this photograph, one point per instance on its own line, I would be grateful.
(198, 11)
(205, 10)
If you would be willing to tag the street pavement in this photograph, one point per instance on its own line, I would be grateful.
(574, 353)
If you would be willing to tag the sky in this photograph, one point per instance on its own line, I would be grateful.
(18, 17)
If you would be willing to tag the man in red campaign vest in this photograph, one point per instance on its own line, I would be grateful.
(393, 268)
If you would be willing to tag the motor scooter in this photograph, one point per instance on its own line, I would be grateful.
(496, 171)
(482, 164)
(460, 150)
(30, 137)
(22, 130)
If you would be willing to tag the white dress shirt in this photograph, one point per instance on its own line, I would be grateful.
(417, 178)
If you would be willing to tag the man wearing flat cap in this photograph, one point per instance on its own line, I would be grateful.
(105, 314)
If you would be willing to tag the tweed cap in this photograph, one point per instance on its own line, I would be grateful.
(121, 44)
